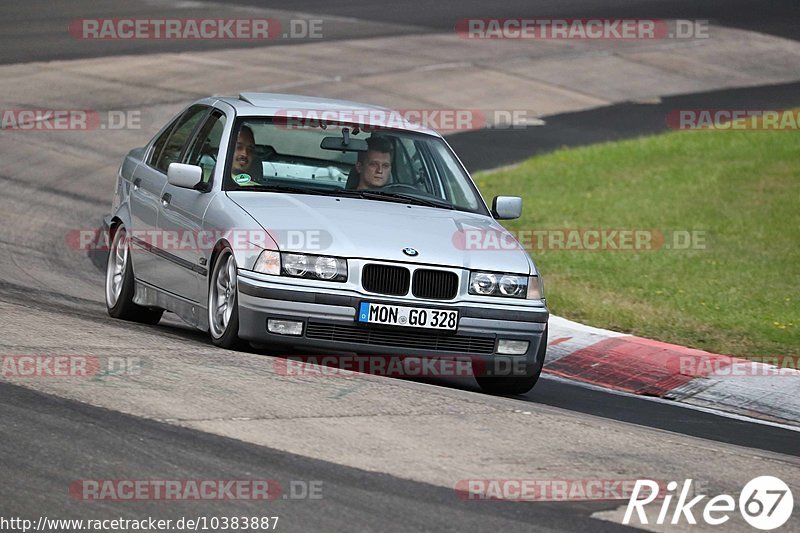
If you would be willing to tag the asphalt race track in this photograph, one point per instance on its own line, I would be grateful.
(28, 37)
(485, 149)
(387, 452)
(128, 445)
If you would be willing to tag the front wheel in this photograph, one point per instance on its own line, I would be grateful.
(120, 284)
(223, 303)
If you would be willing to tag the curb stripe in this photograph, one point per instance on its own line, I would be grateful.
(645, 367)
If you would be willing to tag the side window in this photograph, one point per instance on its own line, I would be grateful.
(205, 149)
(158, 145)
(456, 190)
(412, 168)
(401, 165)
(178, 137)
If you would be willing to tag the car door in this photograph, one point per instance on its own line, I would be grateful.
(181, 213)
(145, 197)
(149, 181)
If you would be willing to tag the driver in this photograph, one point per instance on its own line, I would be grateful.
(375, 165)
(245, 161)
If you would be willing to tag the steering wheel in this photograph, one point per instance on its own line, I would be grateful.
(399, 187)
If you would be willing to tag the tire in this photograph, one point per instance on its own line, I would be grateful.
(509, 386)
(223, 303)
(119, 286)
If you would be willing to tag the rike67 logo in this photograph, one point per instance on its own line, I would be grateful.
(765, 503)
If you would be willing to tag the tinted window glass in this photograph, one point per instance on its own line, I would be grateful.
(178, 137)
(159, 143)
(205, 149)
(399, 165)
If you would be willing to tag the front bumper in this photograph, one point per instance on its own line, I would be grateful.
(329, 325)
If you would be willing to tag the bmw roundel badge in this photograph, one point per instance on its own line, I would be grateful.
(410, 252)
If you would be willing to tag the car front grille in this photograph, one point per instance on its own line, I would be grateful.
(385, 279)
(400, 339)
(435, 284)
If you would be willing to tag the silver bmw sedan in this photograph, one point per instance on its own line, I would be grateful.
(324, 225)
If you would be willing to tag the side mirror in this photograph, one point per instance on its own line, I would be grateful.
(185, 176)
(506, 207)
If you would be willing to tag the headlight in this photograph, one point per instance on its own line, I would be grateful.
(269, 262)
(511, 286)
(482, 283)
(505, 285)
(295, 264)
(326, 267)
(314, 267)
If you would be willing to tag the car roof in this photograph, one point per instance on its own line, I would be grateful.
(272, 104)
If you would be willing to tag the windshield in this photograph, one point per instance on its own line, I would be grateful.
(386, 165)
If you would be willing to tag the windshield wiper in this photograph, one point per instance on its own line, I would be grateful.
(289, 189)
(404, 198)
(386, 196)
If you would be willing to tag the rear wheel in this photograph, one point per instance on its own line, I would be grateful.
(223, 303)
(515, 385)
(120, 284)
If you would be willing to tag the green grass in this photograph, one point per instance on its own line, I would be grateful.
(737, 296)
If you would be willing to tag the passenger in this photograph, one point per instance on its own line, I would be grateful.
(374, 166)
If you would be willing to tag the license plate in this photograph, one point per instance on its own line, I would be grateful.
(414, 317)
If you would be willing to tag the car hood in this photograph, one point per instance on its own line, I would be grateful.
(374, 229)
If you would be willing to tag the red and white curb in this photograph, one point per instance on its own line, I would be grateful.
(641, 366)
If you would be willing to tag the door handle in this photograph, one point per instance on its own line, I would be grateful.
(165, 199)
(137, 183)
